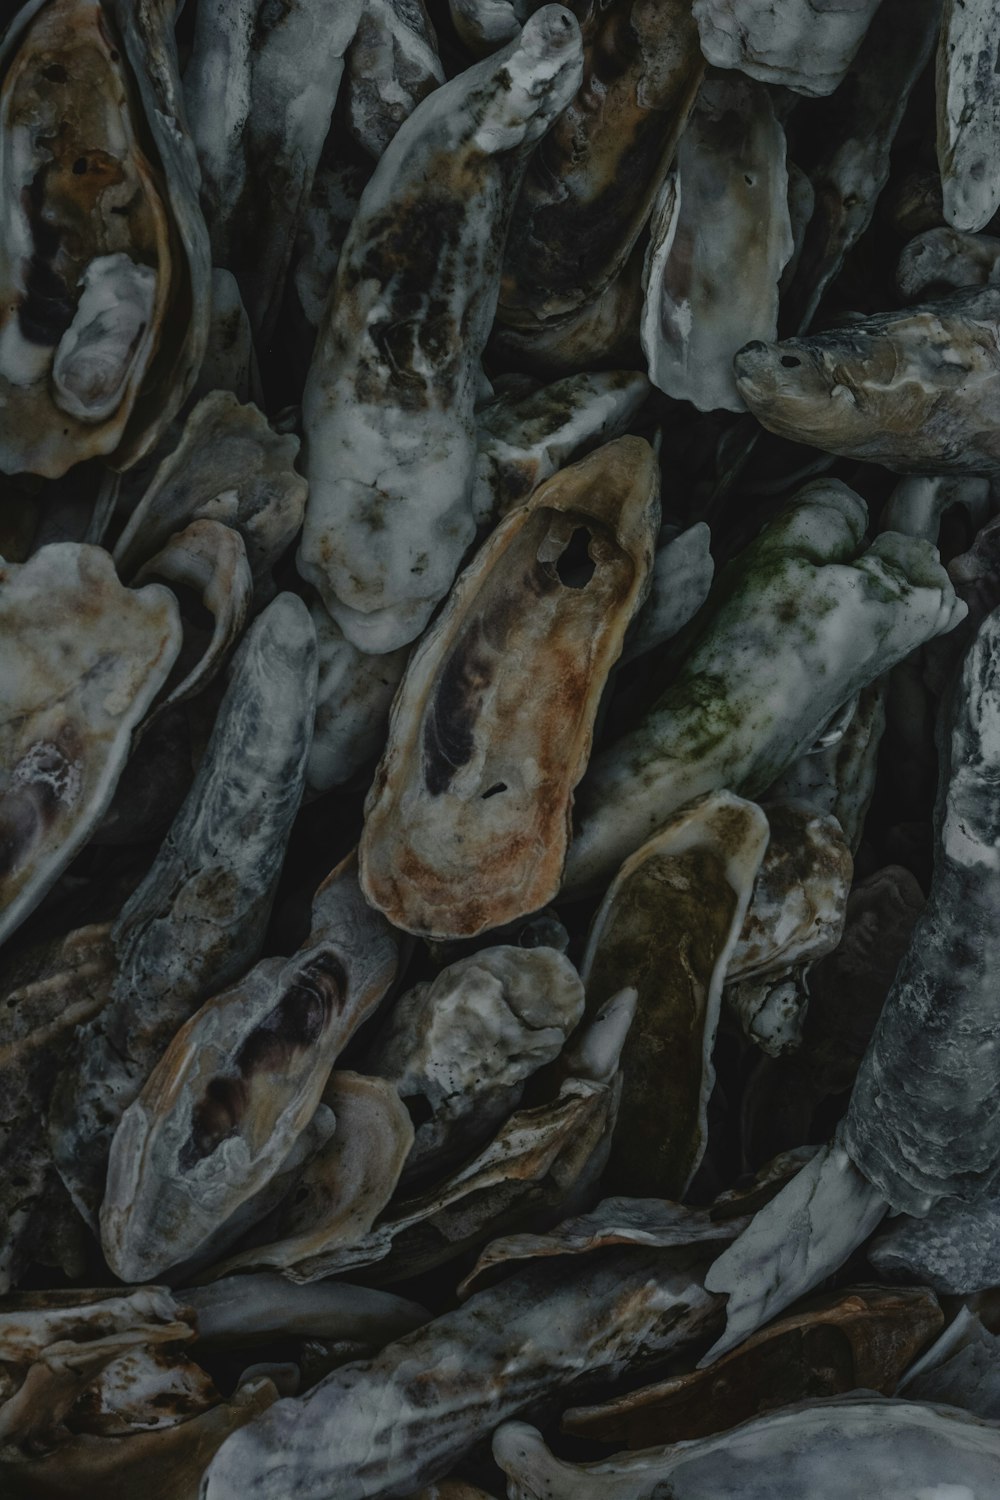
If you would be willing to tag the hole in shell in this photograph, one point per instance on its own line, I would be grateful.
(80, 166)
(790, 362)
(419, 1110)
(499, 786)
(55, 73)
(575, 566)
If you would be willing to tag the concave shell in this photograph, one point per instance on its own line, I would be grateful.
(468, 819)
(104, 261)
(388, 406)
(719, 239)
(968, 113)
(805, 44)
(241, 1080)
(915, 390)
(91, 657)
(837, 1449)
(792, 629)
(341, 1191)
(863, 1338)
(462, 1046)
(591, 184)
(668, 926)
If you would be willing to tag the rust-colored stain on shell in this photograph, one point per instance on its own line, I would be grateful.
(468, 819)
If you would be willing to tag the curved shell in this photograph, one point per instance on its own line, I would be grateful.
(467, 822)
(103, 253)
(806, 45)
(968, 112)
(668, 927)
(91, 656)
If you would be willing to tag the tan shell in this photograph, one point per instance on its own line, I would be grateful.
(863, 1338)
(346, 1185)
(668, 926)
(468, 820)
(91, 656)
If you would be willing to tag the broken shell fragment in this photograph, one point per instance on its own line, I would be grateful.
(91, 657)
(196, 920)
(392, 64)
(946, 258)
(388, 406)
(835, 1449)
(914, 390)
(668, 927)
(719, 239)
(460, 1048)
(103, 261)
(241, 1080)
(968, 113)
(792, 629)
(861, 1339)
(807, 45)
(467, 821)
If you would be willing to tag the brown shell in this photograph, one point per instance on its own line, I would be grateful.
(468, 819)
(859, 1339)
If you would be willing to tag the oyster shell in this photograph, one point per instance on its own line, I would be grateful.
(210, 559)
(591, 184)
(719, 239)
(341, 1191)
(229, 467)
(196, 920)
(968, 113)
(240, 1081)
(921, 1119)
(485, 25)
(91, 657)
(104, 255)
(467, 821)
(392, 64)
(683, 569)
(834, 1449)
(460, 1048)
(668, 926)
(388, 406)
(402, 1419)
(955, 1248)
(243, 1310)
(946, 257)
(863, 1338)
(840, 778)
(766, 667)
(807, 45)
(914, 390)
(961, 1369)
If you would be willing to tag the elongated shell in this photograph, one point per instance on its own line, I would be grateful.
(85, 658)
(103, 253)
(968, 113)
(863, 1338)
(836, 1450)
(239, 1083)
(923, 1119)
(793, 628)
(468, 819)
(719, 239)
(915, 390)
(668, 926)
(388, 406)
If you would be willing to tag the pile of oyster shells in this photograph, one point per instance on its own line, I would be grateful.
(500, 749)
